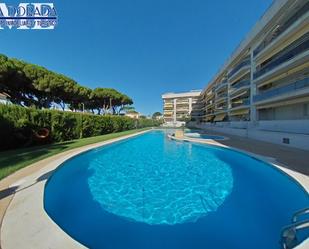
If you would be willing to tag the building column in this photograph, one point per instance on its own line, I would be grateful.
(229, 104)
(175, 109)
(190, 105)
(253, 118)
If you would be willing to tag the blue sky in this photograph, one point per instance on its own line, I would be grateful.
(140, 47)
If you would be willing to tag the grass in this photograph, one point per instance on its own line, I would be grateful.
(13, 160)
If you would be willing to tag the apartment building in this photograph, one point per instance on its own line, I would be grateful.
(262, 91)
(181, 107)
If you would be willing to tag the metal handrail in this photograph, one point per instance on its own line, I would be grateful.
(300, 213)
(289, 232)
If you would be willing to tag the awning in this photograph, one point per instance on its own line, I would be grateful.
(209, 118)
(243, 92)
(220, 117)
(240, 112)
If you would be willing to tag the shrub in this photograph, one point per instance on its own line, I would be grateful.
(18, 125)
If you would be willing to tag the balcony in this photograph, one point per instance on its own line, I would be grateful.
(182, 110)
(280, 29)
(293, 50)
(209, 93)
(290, 88)
(221, 97)
(182, 103)
(211, 103)
(240, 103)
(221, 85)
(244, 65)
(221, 108)
(241, 84)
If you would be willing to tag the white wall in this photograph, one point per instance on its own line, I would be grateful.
(297, 131)
(291, 126)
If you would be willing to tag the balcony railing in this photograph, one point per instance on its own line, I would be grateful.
(300, 84)
(285, 56)
(278, 31)
(220, 109)
(223, 95)
(240, 84)
(244, 102)
(244, 63)
(221, 85)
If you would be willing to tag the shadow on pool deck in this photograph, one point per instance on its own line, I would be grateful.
(290, 158)
(14, 189)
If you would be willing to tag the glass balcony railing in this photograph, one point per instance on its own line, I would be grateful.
(240, 84)
(280, 29)
(222, 84)
(244, 63)
(219, 96)
(300, 84)
(241, 103)
(285, 56)
(221, 109)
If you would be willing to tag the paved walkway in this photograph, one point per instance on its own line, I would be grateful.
(291, 158)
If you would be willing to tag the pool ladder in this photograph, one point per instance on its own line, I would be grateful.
(289, 233)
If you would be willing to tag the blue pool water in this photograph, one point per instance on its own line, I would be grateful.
(149, 192)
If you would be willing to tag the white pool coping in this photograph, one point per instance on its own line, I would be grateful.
(26, 224)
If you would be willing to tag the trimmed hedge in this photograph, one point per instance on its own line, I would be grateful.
(18, 125)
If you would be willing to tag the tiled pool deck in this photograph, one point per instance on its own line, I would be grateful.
(26, 225)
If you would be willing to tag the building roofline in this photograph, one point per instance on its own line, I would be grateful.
(256, 30)
(193, 93)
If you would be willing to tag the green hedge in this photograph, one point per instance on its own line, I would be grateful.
(19, 124)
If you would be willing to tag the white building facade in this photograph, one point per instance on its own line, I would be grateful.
(262, 91)
(179, 108)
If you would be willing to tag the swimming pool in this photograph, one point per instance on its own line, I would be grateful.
(151, 192)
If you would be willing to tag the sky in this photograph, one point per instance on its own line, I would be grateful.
(142, 48)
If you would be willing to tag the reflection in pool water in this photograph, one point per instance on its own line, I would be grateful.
(203, 136)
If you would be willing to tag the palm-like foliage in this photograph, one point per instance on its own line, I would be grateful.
(32, 85)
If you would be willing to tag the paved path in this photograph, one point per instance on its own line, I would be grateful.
(291, 158)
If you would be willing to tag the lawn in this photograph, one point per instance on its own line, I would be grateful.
(13, 160)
